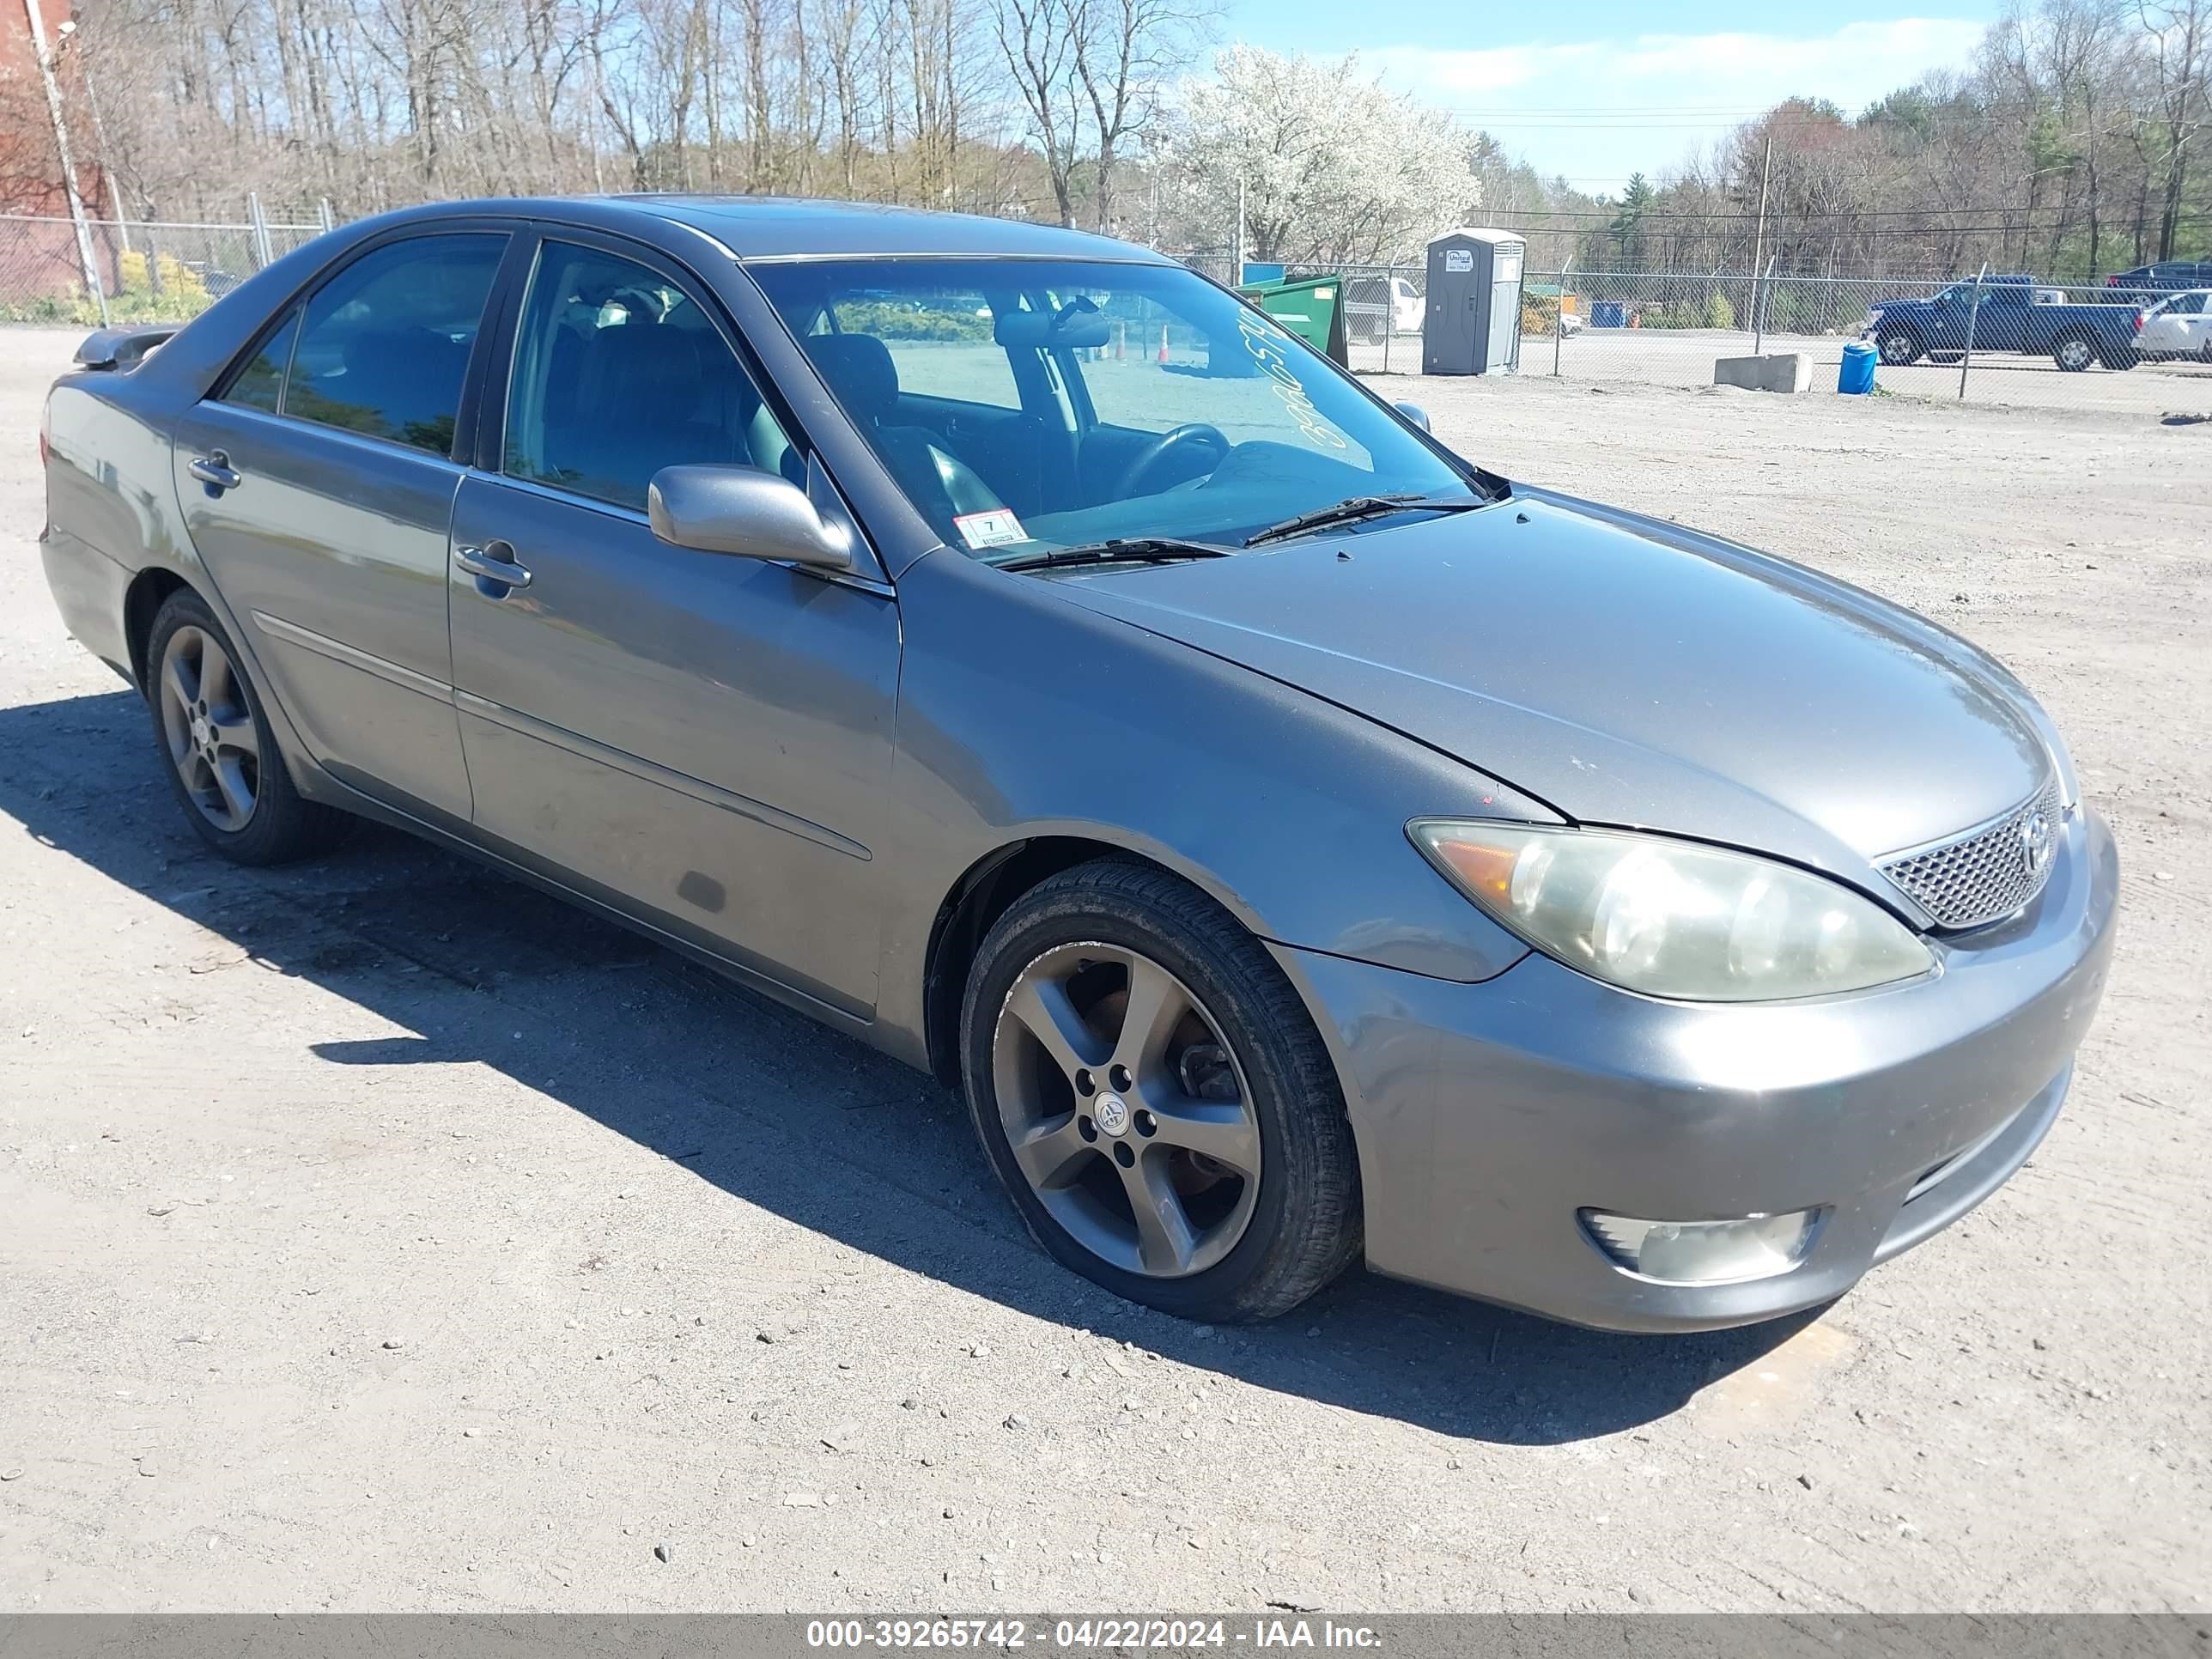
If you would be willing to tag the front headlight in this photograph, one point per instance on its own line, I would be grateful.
(1671, 918)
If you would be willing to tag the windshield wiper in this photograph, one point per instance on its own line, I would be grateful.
(1123, 550)
(1352, 508)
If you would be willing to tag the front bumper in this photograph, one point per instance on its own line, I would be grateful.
(1488, 1114)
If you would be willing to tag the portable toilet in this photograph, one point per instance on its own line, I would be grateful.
(1473, 326)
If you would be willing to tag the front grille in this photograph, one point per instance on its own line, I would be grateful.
(1985, 874)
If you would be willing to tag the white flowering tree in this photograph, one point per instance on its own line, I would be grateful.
(1334, 168)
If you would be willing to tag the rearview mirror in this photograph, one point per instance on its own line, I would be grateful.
(744, 511)
(1078, 323)
(1414, 413)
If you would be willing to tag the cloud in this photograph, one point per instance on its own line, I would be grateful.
(1597, 110)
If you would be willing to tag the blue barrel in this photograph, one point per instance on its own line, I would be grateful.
(1857, 376)
(1609, 314)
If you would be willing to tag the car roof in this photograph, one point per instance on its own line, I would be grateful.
(754, 227)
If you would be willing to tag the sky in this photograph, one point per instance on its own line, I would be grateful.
(1596, 89)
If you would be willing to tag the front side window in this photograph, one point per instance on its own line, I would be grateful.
(619, 373)
(384, 344)
(1150, 402)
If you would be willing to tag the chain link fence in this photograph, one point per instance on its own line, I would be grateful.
(141, 271)
(1654, 328)
(1668, 328)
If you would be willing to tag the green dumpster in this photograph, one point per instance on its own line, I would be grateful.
(1311, 307)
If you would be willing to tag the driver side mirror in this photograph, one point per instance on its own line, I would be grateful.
(745, 512)
(1414, 413)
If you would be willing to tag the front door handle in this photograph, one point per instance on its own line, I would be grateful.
(214, 470)
(495, 562)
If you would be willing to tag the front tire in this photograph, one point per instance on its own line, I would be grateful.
(1155, 1100)
(1899, 346)
(216, 745)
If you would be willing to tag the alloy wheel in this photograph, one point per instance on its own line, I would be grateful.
(2074, 355)
(209, 728)
(1125, 1109)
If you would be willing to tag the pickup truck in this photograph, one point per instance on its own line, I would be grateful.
(2015, 315)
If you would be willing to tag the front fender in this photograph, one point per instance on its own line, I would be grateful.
(1021, 716)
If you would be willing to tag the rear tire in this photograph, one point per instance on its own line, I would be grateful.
(215, 747)
(1111, 1114)
(2072, 352)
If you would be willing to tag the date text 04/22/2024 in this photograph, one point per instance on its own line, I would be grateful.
(1007, 1635)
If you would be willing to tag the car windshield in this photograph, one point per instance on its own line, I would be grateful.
(1029, 405)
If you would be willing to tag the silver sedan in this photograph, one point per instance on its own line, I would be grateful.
(1301, 844)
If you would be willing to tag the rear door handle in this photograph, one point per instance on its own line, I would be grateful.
(495, 562)
(214, 470)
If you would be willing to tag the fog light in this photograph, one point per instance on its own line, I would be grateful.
(1704, 1252)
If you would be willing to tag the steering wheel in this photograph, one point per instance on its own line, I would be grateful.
(1195, 435)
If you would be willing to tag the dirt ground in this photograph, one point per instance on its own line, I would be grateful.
(377, 1235)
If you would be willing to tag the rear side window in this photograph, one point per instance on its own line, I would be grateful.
(384, 344)
(259, 382)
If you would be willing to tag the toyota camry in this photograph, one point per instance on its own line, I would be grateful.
(1301, 844)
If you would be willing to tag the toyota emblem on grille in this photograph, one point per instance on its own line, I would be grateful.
(2035, 841)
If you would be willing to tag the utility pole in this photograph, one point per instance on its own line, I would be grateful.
(68, 31)
(1759, 242)
(86, 263)
(1236, 249)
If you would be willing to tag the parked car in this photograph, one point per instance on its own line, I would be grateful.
(2015, 315)
(2180, 326)
(1372, 304)
(2164, 276)
(1299, 844)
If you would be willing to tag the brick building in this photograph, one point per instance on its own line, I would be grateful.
(40, 258)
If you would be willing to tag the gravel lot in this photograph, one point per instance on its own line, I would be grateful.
(380, 1235)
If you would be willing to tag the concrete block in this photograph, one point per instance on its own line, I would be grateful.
(1777, 371)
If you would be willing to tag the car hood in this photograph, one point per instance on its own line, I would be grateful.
(1624, 671)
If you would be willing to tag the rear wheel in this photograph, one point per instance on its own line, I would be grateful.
(1897, 346)
(216, 744)
(2072, 352)
(1156, 1102)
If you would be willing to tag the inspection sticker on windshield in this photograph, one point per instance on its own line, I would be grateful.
(993, 529)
